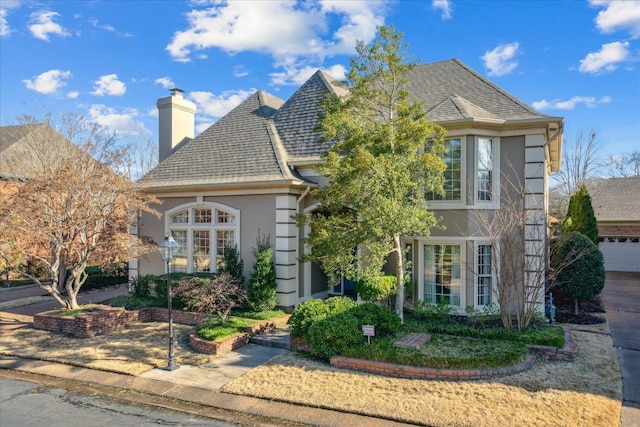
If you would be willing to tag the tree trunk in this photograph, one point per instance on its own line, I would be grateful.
(399, 277)
(575, 310)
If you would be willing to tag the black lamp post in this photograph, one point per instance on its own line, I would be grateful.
(168, 252)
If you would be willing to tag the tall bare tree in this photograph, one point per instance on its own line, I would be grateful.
(66, 207)
(624, 165)
(579, 163)
(517, 236)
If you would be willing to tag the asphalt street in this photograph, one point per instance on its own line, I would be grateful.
(25, 404)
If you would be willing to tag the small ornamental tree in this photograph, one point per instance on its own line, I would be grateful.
(232, 263)
(261, 295)
(583, 278)
(580, 215)
(218, 295)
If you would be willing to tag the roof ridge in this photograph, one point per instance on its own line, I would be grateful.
(278, 149)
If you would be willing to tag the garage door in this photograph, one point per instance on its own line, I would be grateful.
(621, 253)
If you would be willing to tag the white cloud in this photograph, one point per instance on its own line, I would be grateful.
(42, 25)
(570, 104)
(606, 59)
(215, 106)
(240, 71)
(94, 22)
(444, 6)
(618, 15)
(124, 123)
(296, 74)
(109, 85)
(73, 94)
(5, 30)
(48, 82)
(500, 60)
(288, 31)
(165, 82)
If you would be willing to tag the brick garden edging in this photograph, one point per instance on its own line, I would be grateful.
(422, 373)
(553, 353)
(415, 372)
(228, 344)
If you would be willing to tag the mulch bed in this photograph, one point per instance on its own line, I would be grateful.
(565, 310)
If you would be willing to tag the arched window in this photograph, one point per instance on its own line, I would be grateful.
(202, 230)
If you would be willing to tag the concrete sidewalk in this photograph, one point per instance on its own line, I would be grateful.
(174, 385)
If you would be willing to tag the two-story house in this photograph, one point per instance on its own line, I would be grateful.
(248, 173)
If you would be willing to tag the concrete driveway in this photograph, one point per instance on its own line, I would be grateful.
(621, 299)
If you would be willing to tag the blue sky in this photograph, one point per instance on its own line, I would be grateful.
(111, 60)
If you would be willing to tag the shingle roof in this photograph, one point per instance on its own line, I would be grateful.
(259, 139)
(298, 117)
(617, 199)
(241, 147)
(29, 148)
(434, 83)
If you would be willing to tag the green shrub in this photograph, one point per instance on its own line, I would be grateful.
(109, 275)
(261, 294)
(232, 262)
(141, 285)
(582, 272)
(441, 312)
(377, 288)
(338, 331)
(131, 302)
(331, 335)
(384, 319)
(314, 310)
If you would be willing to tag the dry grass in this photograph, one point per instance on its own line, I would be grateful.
(586, 392)
(132, 351)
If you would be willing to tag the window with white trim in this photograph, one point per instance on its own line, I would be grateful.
(443, 274)
(484, 169)
(484, 275)
(452, 174)
(202, 233)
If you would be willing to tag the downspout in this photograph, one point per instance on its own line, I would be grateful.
(299, 212)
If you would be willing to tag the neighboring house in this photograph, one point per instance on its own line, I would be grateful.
(616, 204)
(248, 173)
(26, 150)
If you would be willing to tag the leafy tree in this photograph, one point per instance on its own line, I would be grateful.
(584, 277)
(232, 262)
(261, 295)
(580, 215)
(385, 157)
(68, 208)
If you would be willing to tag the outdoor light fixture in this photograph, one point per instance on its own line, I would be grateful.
(168, 249)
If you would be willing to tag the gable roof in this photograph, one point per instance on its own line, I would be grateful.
(261, 139)
(241, 148)
(617, 200)
(30, 148)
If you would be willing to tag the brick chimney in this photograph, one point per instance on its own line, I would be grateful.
(176, 122)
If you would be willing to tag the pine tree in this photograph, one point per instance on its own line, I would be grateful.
(580, 216)
(261, 295)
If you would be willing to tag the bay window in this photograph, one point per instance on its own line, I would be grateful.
(452, 174)
(442, 274)
(484, 275)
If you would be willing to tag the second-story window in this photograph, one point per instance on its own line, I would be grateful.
(484, 169)
(453, 173)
